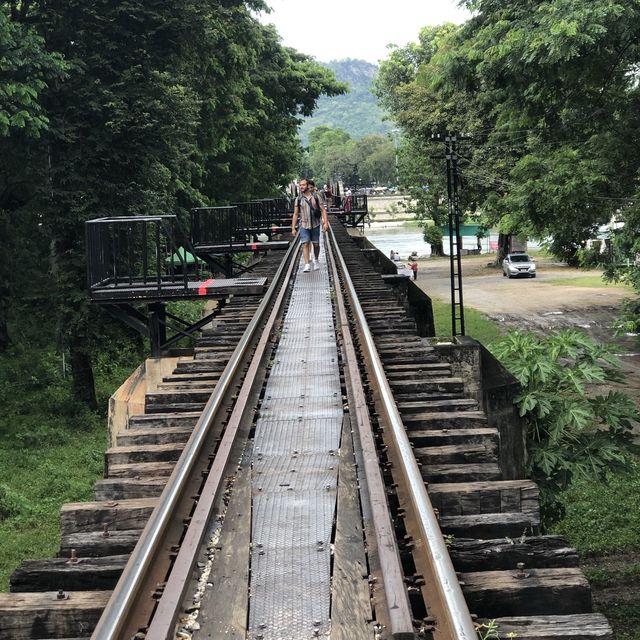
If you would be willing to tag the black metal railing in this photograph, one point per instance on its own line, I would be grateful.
(360, 203)
(239, 224)
(268, 213)
(255, 215)
(216, 226)
(138, 251)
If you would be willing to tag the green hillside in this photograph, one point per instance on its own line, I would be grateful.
(356, 112)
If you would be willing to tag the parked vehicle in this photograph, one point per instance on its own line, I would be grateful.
(518, 264)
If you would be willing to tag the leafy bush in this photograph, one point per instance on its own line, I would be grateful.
(572, 433)
(51, 446)
(629, 320)
(38, 408)
(589, 258)
(433, 235)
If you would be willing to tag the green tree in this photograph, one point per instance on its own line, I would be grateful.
(276, 88)
(522, 79)
(433, 235)
(375, 157)
(331, 155)
(27, 69)
(334, 155)
(548, 93)
(414, 88)
(324, 136)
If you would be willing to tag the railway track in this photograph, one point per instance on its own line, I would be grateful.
(294, 424)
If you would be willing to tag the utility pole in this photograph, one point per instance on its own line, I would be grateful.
(395, 144)
(455, 245)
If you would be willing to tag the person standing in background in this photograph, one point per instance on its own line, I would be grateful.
(348, 201)
(328, 195)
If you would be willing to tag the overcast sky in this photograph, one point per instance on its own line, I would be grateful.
(356, 28)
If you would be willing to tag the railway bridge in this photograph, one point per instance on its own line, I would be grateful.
(317, 466)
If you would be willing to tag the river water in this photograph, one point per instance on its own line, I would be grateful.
(403, 239)
(406, 239)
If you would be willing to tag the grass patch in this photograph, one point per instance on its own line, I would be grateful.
(477, 325)
(588, 281)
(625, 619)
(38, 482)
(540, 252)
(51, 447)
(605, 576)
(602, 517)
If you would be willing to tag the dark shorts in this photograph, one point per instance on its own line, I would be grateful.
(310, 235)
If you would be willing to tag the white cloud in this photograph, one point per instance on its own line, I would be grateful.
(356, 28)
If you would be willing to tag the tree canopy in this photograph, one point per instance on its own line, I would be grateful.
(131, 108)
(334, 155)
(547, 92)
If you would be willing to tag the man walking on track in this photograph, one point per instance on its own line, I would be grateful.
(312, 211)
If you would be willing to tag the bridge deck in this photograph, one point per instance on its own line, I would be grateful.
(294, 471)
(139, 290)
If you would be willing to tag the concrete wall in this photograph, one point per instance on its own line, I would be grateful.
(494, 388)
(379, 205)
(128, 400)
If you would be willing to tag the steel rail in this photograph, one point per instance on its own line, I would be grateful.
(448, 607)
(117, 614)
(400, 619)
(164, 618)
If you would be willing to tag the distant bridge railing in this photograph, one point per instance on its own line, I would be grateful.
(353, 210)
(238, 226)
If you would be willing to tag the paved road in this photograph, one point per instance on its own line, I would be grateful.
(485, 289)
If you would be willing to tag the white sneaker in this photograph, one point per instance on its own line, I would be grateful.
(307, 268)
(316, 265)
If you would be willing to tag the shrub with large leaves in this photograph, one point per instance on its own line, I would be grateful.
(572, 430)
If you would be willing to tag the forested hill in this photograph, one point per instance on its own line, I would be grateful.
(356, 112)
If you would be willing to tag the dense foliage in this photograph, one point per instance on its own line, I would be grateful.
(130, 108)
(573, 432)
(547, 95)
(51, 446)
(333, 155)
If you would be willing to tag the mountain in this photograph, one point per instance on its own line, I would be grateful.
(357, 111)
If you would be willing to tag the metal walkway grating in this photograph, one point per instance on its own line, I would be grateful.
(295, 471)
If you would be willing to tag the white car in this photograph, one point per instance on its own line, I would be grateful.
(515, 265)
